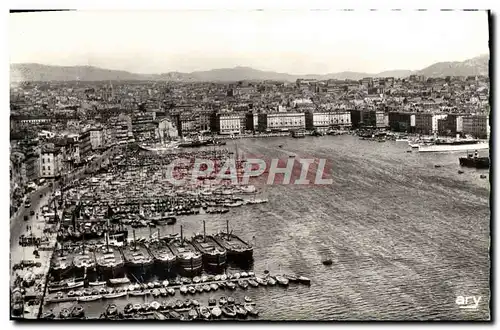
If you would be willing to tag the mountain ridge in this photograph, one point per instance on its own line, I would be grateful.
(40, 72)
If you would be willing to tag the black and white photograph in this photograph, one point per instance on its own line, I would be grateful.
(250, 165)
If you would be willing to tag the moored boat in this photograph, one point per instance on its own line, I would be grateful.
(138, 261)
(237, 250)
(110, 263)
(189, 260)
(214, 255)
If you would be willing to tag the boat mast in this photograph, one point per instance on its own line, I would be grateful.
(135, 243)
(182, 237)
(204, 232)
(227, 227)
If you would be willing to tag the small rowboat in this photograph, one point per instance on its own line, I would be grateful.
(229, 311)
(206, 288)
(240, 311)
(214, 286)
(89, 298)
(193, 314)
(114, 295)
(192, 290)
(122, 280)
(282, 280)
(304, 280)
(155, 305)
(204, 312)
(253, 283)
(216, 311)
(251, 310)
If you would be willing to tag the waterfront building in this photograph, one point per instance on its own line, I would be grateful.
(476, 125)
(322, 121)
(400, 121)
(281, 121)
(228, 123)
(423, 123)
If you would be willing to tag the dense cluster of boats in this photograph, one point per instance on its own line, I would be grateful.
(140, 259)
(75, 291)
(190, 309)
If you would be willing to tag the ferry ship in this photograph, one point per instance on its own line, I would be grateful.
(189, 260)
(165, 260)
(214, 255)
(455, 145)
(237, 249)
(138, 261)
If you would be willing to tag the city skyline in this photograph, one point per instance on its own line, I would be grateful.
(294, 42)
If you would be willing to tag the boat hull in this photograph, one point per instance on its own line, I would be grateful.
(62, 273)
(140, 271)
(480, 162)
(109, 272)
(454, 148)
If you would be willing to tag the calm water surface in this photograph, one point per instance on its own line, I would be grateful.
(405, 238)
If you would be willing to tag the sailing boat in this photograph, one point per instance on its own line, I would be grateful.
(163, 145)
(109, 260)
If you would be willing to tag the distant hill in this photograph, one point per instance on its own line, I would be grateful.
(39, 72)
(476, 66)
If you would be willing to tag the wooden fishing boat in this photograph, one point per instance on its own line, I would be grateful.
(228, 311)
(204, 312)
(216, 311)
(193, 314)
(251, 310)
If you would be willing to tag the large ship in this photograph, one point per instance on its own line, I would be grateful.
(237, 250)
(160, 147)
(138, 261)
(189, 260)
(110, 263)
(454, 145)
(165, 260)
(84, 265)
(214, 255)
(61, 265)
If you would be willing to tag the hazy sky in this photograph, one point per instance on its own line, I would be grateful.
(284, 41)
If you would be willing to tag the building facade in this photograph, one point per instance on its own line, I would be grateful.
(282, 121)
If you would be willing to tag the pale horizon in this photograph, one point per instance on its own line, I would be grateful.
(293, 42)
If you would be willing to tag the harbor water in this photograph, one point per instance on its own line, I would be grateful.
(406, 238)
